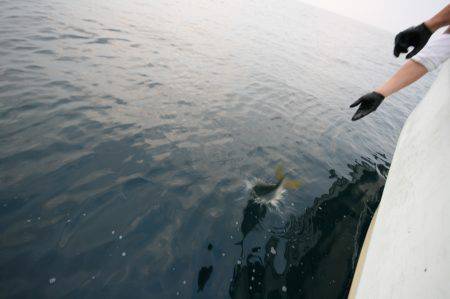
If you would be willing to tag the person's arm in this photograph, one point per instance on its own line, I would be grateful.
(410, 72)
(441, 19)
(433, 55)
(418, 36)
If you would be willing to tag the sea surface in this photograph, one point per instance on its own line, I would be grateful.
(132, 133)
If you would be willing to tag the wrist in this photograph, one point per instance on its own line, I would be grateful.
(381, 92)
(433, 25)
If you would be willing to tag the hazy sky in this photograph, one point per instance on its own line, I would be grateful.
(392, 15)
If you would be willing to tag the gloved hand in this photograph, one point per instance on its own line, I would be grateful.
(369, 103)
(414, 36)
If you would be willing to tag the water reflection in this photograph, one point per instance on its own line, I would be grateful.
(316, 253)
(254, 212)
(203, 276)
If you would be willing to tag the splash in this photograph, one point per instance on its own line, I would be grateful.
(273, 200)
(271, 194)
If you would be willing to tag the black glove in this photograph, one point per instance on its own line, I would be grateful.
(369, 103)
(414, 36)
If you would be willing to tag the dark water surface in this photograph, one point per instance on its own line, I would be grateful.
(130, 133)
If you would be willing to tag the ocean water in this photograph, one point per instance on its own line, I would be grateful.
(132, 132)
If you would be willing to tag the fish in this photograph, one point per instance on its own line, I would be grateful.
(262, 189)
(256, 209)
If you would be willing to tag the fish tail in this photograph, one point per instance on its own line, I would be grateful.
(279, 173)
(291, 184)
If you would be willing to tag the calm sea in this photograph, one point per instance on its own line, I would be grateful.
(131, 133)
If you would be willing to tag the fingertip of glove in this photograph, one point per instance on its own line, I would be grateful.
(357, 102)
(357, 116)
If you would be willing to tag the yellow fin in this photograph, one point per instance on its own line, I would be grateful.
(279, 173)
(291, 184)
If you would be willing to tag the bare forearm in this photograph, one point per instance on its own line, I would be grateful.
(441, 19)
(410, 72)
